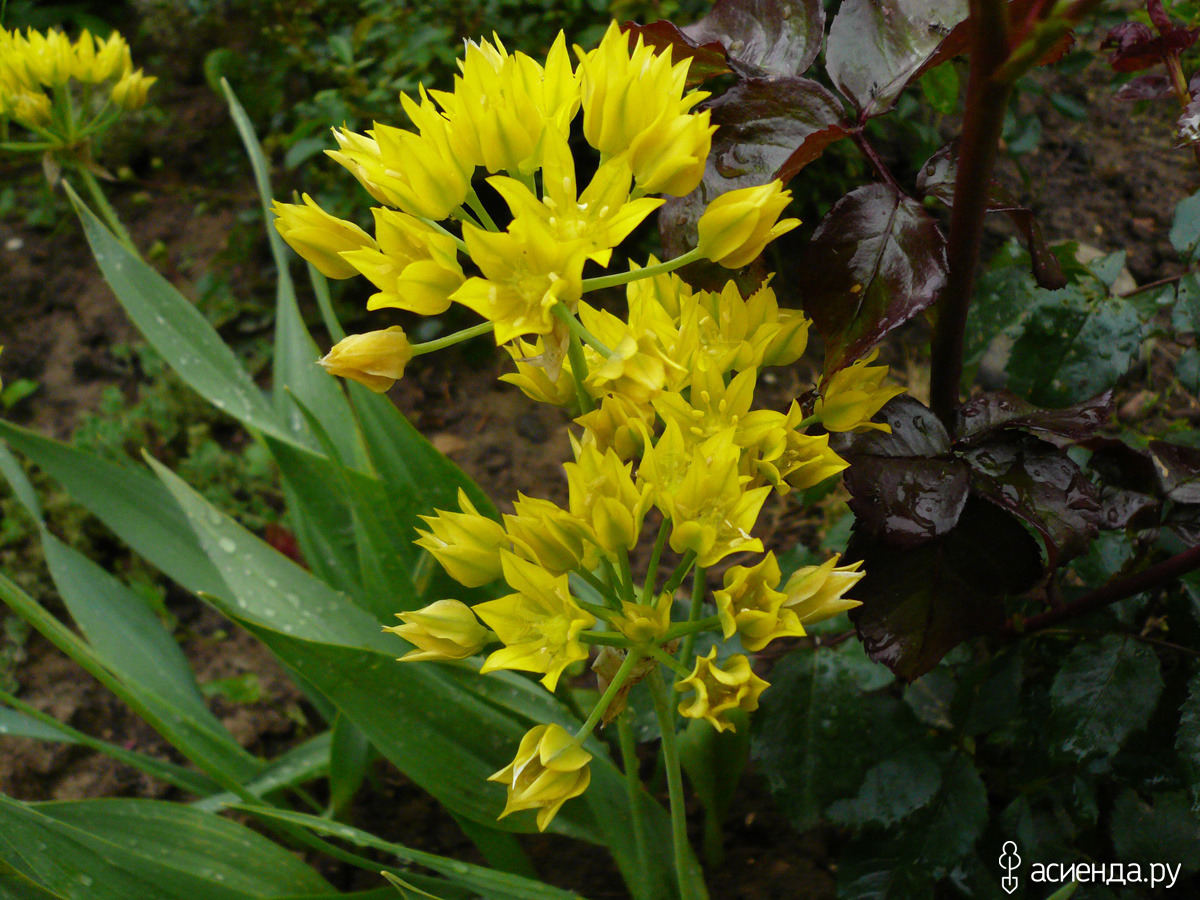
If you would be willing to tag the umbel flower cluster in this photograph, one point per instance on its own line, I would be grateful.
(62, 91)
(670, 439)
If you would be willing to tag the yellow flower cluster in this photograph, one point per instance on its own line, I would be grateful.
(670, 437)
(38, 71)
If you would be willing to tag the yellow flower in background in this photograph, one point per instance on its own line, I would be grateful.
(375, 359)
(414, 266)
(131, 90)
(720, 689)
(539, 625)
(467, 544)
(548, 770)
(527, 271)
(750, 605)
(320, 238)
(635, 369)
(446, 629)
(853, 395)
(735, 227)
(814, 593)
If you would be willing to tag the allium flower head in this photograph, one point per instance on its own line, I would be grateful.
(750, 605)
(549, 769)
(414, 266)
(853, 395)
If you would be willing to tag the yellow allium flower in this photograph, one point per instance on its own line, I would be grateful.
(751, 606)
(375, 359)
(414, 266)
(720, 689)
(446, 629)
(617, 424)
(130, 91)
(527, 271)
(467, 543)
(634, 105)
(549, 769)
(785, 457)
(711, 406)
(814, 593)
(48, 57)
(735, 227)
(539, 625)
(320, 238)
(542, 371)
(643, 622)
(603, 494)
(853, 395)
(551, 537)
(636, 368)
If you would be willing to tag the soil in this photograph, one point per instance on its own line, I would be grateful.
(1111, 181)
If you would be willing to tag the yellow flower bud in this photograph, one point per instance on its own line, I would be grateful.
(28, 108)
(48, 57)
(446, 629)
(467, 543)
(548, 770)
(636, 368)
(814, 593)
(130, 91)
(542, 373)
(720, 690)
(853, 395)
(751, 606)
(375, 359)
(604, 496)
(414, 266)
(112, 59)
(544, 533)
(737, 225)
(320, 238)
(617, 424)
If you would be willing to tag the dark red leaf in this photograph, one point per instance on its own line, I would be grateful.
(763, 122)
(1038, 483)
(810, 148)
(1120, 508)
(958, 41)
(1134, 46)
(921, 603)
(708, 59)
(764, 37)
(915, 431)
(1122, 466)
(1184, 520)
(877, 46)
(936, 179)
(1178, 470)
(1145, 87)
(988, 413)
(876, 260)
(1159, 17)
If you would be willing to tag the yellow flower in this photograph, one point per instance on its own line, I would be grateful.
(643, 622)
(814, 593)
(617, 424)
(552, 537)
(130, 91)
(539, 625)
(549, 769)
(467, 543)
(720, 690)
(604, 496)
(712, 406)
(48, 58)
(735, 227)
(542, 371)
(527, 271)
(853, 395)
(634, 105)
(636, 368)
(784, 456)
(414, 266)
(751, 606)
(375, 359)
(446, 629)
(319, 237)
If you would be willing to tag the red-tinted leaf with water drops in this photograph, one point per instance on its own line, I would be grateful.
(708, 59)
(1145, 87)
(921, 603)
(876, 260)
(1039, 483)
(877, 46)
(988, 413)
(764, 37)
(936, 179)
(1134, 46)
(1178, 470)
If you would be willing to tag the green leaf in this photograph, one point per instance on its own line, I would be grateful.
(305, 762)
(486, 882)
(820, 729)
(295, 354)
(1104, 691)
(185, 846)
(948, 827)
(892, 790)
(176, 329)
(119, 849)
(1163, 829)
(349, 756)
(1187, 741)
(1185, 227)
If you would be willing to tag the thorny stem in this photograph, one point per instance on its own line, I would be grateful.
(983, 123)
(1161, 573)
(666, 723)
(1161, 282)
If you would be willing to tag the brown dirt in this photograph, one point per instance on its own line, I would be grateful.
(1104, 181)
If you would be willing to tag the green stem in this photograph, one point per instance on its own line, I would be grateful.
(578, 329)
(666, 722)
(708, 623)
(604, 638)
(579, 369)
(699, 588)
(655, 556)
(615, 590)
(615, 280)
(633, 787)
(105, 209)
(665, 658)
(632, 658)
(626, 574)
(680, 573)
(600, 612)
(451, 339)
(438, 226)
(595, 583)
(478, 208)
